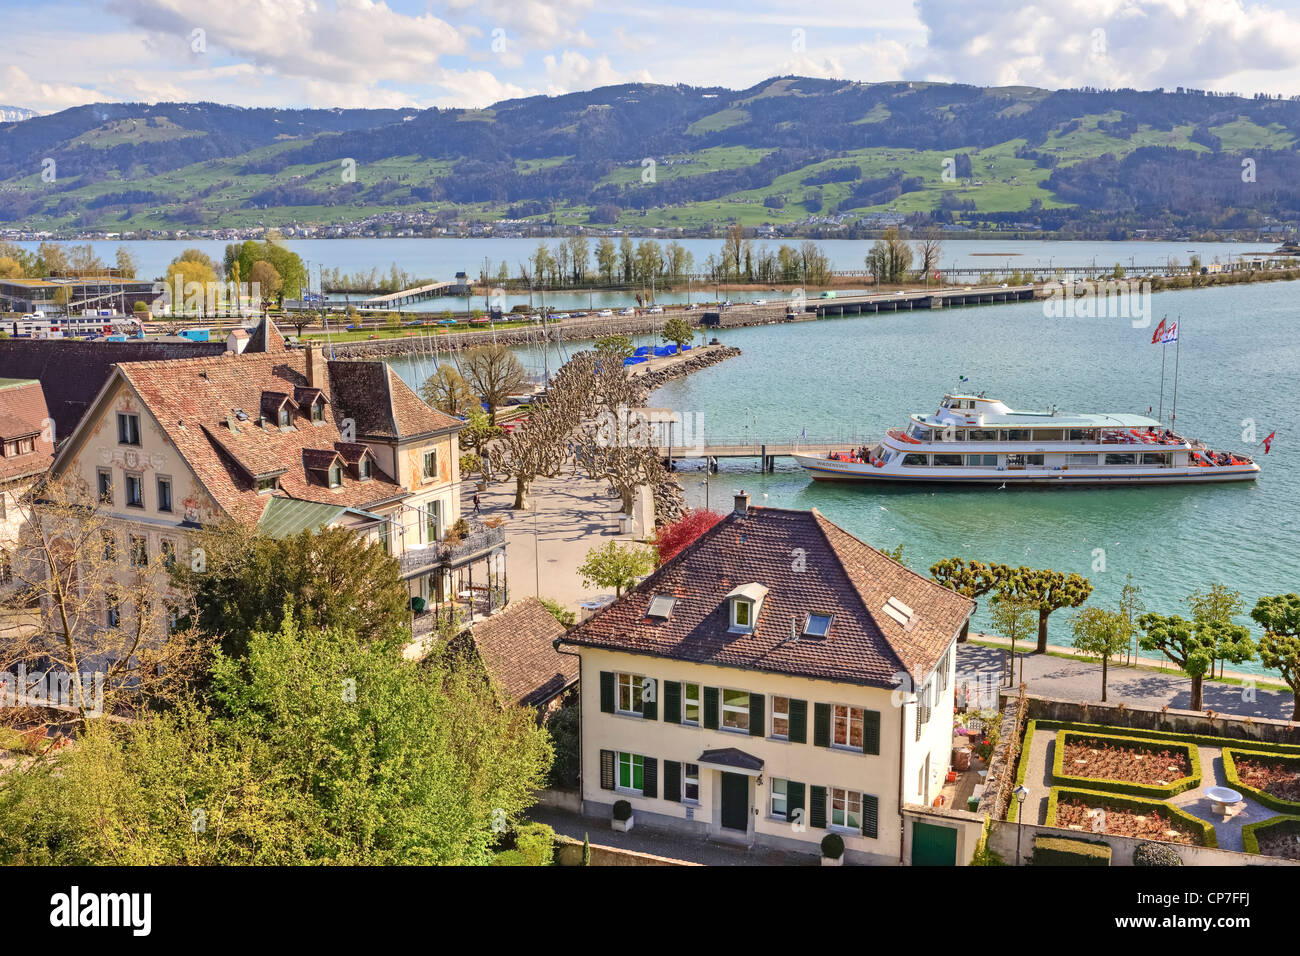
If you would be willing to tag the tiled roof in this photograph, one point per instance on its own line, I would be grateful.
(351, 451)
(72, 372)
(265, 338)
(23, 414)
(808, 565)
(517, 648)
(381, 404)
(194, 402)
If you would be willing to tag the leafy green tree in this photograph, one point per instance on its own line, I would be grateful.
(616, 566)
(1012, 617)
(618, 345)
(1194, 645)
(678, 331)
(1046, 591)
(331, 578)
(972, 579)
(1217, 604)
(1101, 633)
(1279, 648)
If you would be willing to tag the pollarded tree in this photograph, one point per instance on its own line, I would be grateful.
(1047, 591)
(1217, 603)
(1101, 633)
(616, 566)
(1194, 645)
(972, 579)
(1279, 648)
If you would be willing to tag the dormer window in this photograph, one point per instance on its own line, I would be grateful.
(742, 613)
(286, 419)
(266, 485)
(363, 468)
(818, 625)
(336, 475)
(746, 604)
(318, 409)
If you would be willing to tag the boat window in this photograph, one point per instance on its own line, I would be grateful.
(1081, 434)
(1047, 434)
(982, 434)
(1033, 459)
(1015, 434)
(947, 461)
(982, 461)
(1121, 459)
(919, 431)
(1081, 459)
(915, 461)
(1155, 458)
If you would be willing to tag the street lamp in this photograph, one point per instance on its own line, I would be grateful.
(1020, 793)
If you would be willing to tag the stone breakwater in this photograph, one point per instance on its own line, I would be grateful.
(669, 500)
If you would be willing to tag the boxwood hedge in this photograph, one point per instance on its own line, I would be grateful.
(1171, 789)
(1251, 831)
(1230, 755)
(1062, 851)
(1115, 801)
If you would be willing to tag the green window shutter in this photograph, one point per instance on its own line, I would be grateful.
(757, 717)
(822, 725)
(794, 800)
(798, 721)
(607, 692)
(817, 807)
(607, 770)
(649, 698)
(672, 702)
(871, 732)
(672, 780)
(650, 777)
(870, 815)
(711, 708)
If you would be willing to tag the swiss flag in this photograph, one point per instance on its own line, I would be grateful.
(1269, 441)
(1160, 330)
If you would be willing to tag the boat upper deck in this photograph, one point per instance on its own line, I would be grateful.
(978, 411)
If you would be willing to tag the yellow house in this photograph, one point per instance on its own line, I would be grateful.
(776, 681)
(286, 441)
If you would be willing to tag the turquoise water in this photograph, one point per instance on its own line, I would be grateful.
(1238, 361)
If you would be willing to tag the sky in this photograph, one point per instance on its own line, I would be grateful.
(471, 53)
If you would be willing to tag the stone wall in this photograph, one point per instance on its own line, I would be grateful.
(1164, 718)
(1002, 841)
(1000, 779)
(568, 852)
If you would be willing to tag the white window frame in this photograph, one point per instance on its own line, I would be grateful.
(779, 714)
(784, 796)
(733, 709)
(631, 771)
(689, 779)
(736, 624)
(846, 794)
(687, 702)
(633, 684)
(848, 718)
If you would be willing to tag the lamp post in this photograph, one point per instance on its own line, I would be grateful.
(1020, 793)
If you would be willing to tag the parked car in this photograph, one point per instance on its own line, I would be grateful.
(482, 321)
(446, 321)
(604, 313)
(580, 315)
(627, 311)
(759, 302)
(561, 315)
(692, 307)
(655, 310)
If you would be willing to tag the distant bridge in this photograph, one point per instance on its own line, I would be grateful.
(415, 294)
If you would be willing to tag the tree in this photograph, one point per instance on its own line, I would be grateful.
(1101, 633)
(495, 374)
(616, 566)
(1131, 607)
(126, 266)
(1012, 617)
(606, 258)
(1217, 604)
(476, 434)
(671, 539)
(266, 281)
(1194, 645)
(678, 331)
(448, 392)
(1279, 648)
(890, 258)
(332, 578)
(193, 279)
(617, 345)
(928, 251)
(1046, 591)
(973, 580)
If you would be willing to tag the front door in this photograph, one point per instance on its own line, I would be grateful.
(735, 802)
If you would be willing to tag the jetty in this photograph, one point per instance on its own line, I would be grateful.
(395, 300)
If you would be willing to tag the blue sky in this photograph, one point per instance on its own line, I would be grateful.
(403, 53)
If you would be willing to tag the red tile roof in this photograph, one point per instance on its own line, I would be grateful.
(23, 414)
(517, 648)
(808, 565)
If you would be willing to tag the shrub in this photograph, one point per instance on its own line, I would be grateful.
(1156, 854)
(1060, 851)
(417, 605)
(559, 611)
(510, 858)
(1115, 801)
(622, 810)
(562, 725)
(832, 846)
(1270, 800)
(536, 842)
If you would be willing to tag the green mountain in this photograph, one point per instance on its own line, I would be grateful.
(789, 150)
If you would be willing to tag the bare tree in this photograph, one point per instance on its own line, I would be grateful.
(495, 374)
(928, 251)
(448, 392)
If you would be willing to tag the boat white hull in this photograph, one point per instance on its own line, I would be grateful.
(823, 469)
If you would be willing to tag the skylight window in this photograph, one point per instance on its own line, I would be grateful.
(661, 606)
(899, 611)
(819, 625)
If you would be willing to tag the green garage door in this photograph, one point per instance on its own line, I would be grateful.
(933, 845)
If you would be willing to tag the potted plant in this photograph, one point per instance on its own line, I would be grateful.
(417, 605)
(622, 821)
(832, 850)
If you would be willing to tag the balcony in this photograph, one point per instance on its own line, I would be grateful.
(480, 541)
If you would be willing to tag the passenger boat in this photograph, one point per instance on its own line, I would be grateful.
(973, 439)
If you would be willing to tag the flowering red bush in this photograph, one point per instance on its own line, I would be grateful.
(672, 538)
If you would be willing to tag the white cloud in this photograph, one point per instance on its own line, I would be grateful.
(17, 88)
(535, 23)
(572, 71)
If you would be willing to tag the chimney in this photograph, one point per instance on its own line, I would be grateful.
(317, 369)
(742, 504)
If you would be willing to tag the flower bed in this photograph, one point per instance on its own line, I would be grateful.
(1272, 779)
(1124, 764)
(1278, 837)
(1126, 816)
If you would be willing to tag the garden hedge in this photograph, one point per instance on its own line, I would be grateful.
(1115, 801)
(1062, 779)
(1062, 851)
(1230, 755)
(1026, 741)
(1204, 740)
(1250, 832)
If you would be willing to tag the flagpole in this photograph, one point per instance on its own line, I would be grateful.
(1163, 350)
(1178, 339)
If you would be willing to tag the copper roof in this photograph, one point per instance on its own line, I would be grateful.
(809, 566)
